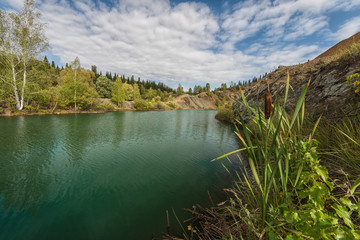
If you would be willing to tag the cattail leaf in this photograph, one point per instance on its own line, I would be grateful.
(299, 104)
(287, 88)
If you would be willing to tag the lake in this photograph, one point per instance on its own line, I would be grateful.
(107, 176)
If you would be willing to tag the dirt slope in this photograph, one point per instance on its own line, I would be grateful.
(205, 100)
(340, 47)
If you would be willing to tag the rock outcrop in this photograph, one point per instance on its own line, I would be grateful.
(200, 101)
(206, 100)
(328, 93)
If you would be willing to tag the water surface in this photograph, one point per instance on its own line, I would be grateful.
(106, 176)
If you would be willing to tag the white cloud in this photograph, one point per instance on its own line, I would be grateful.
(348, 29)
(15, 4)
(148, 40)
(187, 42)
(279, 20)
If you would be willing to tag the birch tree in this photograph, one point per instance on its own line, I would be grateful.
(9, 50)
(118, 94)
(75, 66)
(22, 38)
(76, 87)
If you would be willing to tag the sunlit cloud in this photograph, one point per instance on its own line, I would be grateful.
(188, 43)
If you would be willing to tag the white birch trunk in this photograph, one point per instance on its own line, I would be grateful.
(23, 87)
(18, 104)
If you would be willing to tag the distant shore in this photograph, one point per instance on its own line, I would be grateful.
(14, 113)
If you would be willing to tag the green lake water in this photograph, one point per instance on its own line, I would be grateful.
(107, 176)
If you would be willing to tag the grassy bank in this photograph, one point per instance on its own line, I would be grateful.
(299, 182)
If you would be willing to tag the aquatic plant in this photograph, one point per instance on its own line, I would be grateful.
(282, 191)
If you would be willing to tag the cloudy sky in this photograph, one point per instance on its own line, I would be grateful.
(193, 42)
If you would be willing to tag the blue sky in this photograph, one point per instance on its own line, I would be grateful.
(193, 42)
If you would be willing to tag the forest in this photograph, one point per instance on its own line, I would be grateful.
(32, 84)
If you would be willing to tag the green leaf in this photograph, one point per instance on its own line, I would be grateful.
(348, 203)
(355, 185)
(299, 105)
(322, 172)
(227, 154)
(287, 88)
(356, 234)
(340, 234)
(290, 237)
(342, 212)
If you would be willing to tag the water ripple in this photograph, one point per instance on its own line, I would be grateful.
(107, 175)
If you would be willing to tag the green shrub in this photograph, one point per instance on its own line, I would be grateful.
(157, 99)
(104, 106)
(159, 105)
(225, 113)
(142, 105)
(171, 105)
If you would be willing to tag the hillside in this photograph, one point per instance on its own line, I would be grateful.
(206, 100)
(337, 49)
(327, 94)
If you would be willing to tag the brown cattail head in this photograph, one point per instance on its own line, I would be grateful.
(268, 103)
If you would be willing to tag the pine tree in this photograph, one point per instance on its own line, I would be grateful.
(46, 62)
(207, 87)
(179, 90)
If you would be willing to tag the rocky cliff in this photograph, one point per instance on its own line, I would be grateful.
(328, 93)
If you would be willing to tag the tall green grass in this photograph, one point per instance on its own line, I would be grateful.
(285, 193)
(282, 191)
(340, 144)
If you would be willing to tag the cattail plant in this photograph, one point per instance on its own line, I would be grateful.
(268, 102)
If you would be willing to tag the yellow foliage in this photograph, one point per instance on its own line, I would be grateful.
(356, 78)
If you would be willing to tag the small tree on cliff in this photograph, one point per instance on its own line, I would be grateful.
(179, 90)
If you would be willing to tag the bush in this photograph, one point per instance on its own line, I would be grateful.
(104, 106)
(225, 113)
(159, 105)
(104, 86)
(172, 105)
(142, 105)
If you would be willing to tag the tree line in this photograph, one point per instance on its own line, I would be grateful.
(28, 83)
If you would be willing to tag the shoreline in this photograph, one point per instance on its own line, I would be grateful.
(8, 113)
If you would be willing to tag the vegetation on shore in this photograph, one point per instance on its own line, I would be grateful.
(299, 181)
